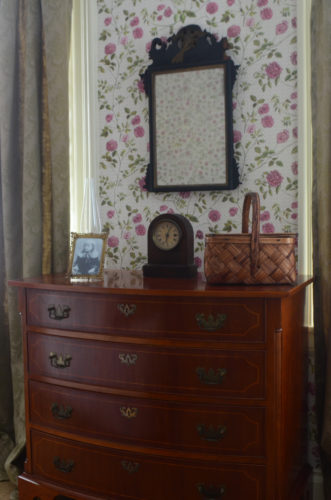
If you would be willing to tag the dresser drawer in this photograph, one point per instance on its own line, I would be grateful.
(144, 477)
(210, 429)
(199, 372)
(233, 320)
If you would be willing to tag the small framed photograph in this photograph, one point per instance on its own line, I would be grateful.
(87, 255)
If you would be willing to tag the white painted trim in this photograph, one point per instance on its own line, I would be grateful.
(305, 264)
(83, 103)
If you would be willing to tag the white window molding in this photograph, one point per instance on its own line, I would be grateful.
(305, 264)
(84, 154)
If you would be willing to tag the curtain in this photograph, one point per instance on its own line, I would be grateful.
(321, 124)
(34, 182)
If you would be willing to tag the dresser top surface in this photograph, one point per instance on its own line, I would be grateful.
(128, 282)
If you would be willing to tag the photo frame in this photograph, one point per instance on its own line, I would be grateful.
(87, 255)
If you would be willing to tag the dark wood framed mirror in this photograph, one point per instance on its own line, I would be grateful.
(189, 86)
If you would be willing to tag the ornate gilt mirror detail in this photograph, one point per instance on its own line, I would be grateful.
(189, 86)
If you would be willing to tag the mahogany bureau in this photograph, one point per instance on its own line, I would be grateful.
(163, 389)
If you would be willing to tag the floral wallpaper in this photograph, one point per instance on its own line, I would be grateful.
(262, 34)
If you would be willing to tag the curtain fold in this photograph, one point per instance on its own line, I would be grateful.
(34, 182)
(321, 126)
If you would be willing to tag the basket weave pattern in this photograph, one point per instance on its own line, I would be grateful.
(250, 258)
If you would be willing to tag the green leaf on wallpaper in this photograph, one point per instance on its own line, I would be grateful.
(192, 218)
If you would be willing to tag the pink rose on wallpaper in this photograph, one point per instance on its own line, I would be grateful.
(262, 3)
(268, 228)
(267, 121)
(134, 21)
(230, 2)
(294, 58)
(283, 136)
(124, 40)
(294, 168)
(109, 118)
(171, 211)
(140, 85)
(137, 218)
(160, 6)
(124, 138)
(274, 178)
(148, 46)
(233, 31)
(273, 70)
(159, 18)
(250, 22)
(140, 230)
(138, 33)
(163, 208)
(211, 7)
(184, 194)
(139, 132)
(295, 132)
(266, 14)
(142, 183)
(167, 12)
(236, 136)
(294, 106)
(199, 234)
(294, 216)
(281, 28)
(113, 241)
(135, 120)
(294, 22)
(197, 261)
(251, 128)
(214, 215)
(294, 95)
(107, 21)
(265, 215)
(233, 211)
(111, 145)
(294, 204)
(126, 235)
(110, 48)
(110, 214)
(263, 109)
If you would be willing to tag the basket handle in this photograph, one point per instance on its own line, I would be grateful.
(252, 199)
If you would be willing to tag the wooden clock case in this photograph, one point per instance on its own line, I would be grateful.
(177, 262)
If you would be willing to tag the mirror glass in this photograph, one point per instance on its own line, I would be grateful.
(190, 107)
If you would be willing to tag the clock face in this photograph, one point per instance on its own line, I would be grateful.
(166, 235)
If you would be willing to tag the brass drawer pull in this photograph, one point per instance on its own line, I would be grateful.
(128, 359)
(59, 312)
(211, 492)
(210, 433)
(60, 412)
(127, 309)
(60, 361)
(210, 324)
(128, 412)
(62, 465)
(130, 466)
(211, 377)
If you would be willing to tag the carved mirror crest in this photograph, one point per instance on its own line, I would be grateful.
(189, 85)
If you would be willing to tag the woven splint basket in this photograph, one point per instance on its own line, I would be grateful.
(250, 258)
